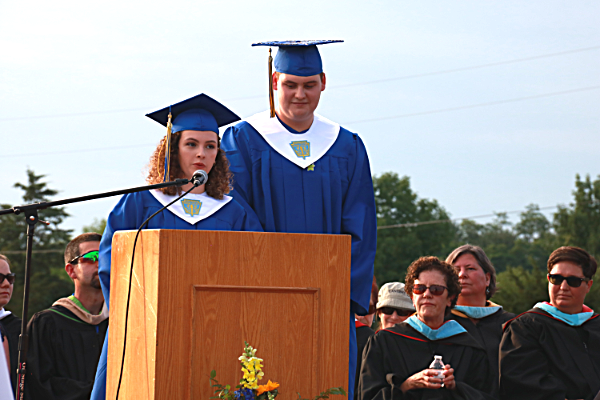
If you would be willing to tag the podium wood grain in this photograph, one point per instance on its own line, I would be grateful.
(197, 295)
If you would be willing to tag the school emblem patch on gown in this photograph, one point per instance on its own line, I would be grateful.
(301, 148)
(191, 207)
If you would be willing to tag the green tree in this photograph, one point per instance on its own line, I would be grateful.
(97, 226)
(397, 247)
(48, 278)
(521, 288)
(579, 224)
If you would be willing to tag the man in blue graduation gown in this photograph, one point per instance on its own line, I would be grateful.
(302, 173)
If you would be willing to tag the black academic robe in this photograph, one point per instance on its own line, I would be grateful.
(363, 333)
(544, 358)
(12, 326)
(395, 354)
(488, 333)
(63, 355)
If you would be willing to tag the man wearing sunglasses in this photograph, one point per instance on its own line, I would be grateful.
(10, 322)
(65, 340)
(553, 350)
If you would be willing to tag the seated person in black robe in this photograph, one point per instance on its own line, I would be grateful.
(552, 352)
(396, 360)
(8, 321)
(65, 340)
(474, 310)
(363, 324)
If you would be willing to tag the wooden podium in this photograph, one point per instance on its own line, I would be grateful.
(197, 295)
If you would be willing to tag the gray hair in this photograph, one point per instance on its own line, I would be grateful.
(483, 261)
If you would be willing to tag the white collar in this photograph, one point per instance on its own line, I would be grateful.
(4, 313)
(303, 149)
(193, 207)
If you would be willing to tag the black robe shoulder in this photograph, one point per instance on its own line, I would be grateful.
(488, 333)
(63, 355)
(363, 333)
(12, 326)
(393, 355)
(544, 358)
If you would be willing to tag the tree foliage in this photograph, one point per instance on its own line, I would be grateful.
(97, 226)
(519, 251)
(579, 224)
(48, 278)
(396, 203)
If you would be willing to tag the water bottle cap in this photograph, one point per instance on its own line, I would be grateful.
(437, 357)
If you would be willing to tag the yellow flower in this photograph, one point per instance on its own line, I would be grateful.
(267, 388)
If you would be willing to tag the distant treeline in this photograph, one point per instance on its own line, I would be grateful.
(518, 251)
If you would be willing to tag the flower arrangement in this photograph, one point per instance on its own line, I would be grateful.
(249, 389)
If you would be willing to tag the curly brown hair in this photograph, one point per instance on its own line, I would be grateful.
(219, 177)
(433, 264)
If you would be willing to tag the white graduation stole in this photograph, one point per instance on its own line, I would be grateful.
(303, 149)
(193, 207)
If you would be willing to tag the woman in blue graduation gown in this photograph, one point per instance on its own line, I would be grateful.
(396, 360)
(194, 145)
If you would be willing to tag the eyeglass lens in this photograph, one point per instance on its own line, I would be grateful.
(435, 290)
(90, 256)
(9, 277)
(390, 311)
(572, 281)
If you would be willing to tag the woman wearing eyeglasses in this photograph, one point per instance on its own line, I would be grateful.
(553, 350)
(394, 305)
(396, 360)
(474, 310)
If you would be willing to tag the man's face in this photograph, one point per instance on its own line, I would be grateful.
(6, 288)
(298, 96)
(85, 271)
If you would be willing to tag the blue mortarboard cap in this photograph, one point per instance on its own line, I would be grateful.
(199, 113)
(298, 57)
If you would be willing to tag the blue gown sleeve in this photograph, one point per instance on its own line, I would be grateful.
(240, 165)
(125, 216)
(248, 222)
(359, 220)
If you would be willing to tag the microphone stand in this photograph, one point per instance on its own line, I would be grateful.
(31, 217)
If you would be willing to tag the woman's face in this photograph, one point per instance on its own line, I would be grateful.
(396, 317)
(471, 276)
(564, 297)
(430, 307)
(197, 150)
(6, 288)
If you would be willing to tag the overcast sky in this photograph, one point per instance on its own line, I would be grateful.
(486, 106)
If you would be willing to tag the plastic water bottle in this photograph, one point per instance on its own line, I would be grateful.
(438, 365)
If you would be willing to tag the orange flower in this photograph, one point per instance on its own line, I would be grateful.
(267, 388)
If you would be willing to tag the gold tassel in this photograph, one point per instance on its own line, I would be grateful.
(271, 100)
(168, 150)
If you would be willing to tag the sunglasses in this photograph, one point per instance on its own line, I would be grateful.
(89, 257)
(390, 311)
(436, 290)
(9, 277)
(572, 281)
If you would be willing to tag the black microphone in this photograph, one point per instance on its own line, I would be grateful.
(199, 178)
